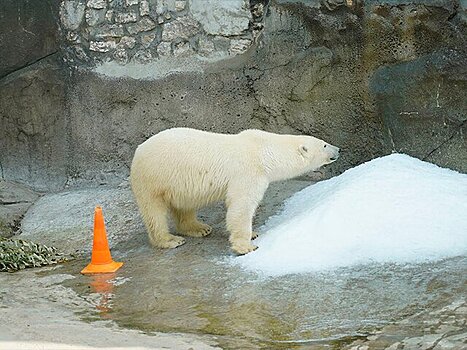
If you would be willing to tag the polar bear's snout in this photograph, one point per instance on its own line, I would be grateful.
(332, 152)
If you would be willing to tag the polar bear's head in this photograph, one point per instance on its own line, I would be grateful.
(288, 156)
(316, 152)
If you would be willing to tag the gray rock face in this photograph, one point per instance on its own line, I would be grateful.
(73, 232)
(71, 14)
(423, 107)
(33, 130)
(123, 113)
(15, 200)
(126, 17)
(226, 17)
(28, 32)
(420, 79)
(369, 78)
(97, 4)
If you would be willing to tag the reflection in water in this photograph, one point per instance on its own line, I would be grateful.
(103, 285)
(190, 290)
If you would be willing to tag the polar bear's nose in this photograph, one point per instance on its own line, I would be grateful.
(334, 152)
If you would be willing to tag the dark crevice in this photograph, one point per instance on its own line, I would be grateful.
(14, 202)
(445, 141)
(5, 76)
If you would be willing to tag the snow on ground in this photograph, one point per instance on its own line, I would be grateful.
(394, 209)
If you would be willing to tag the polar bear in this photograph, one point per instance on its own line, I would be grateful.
(181, 170)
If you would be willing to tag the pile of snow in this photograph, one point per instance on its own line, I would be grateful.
(395, 209)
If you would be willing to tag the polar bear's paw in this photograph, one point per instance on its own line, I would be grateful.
(169, 241)
(197, 229)
(242, 248)
(254, 235)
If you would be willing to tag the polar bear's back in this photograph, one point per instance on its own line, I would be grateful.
(190, 167)
(188, 148)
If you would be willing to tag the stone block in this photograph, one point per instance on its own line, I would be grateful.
(222, 17)
(97, 4)
(239, 46)
(180, 5)
(147, 39)
(144, 8)
(94, 17)
(126, 17)
(101, 46)
(71, 14)
(182, 49)
(131, 2)
(164, 49)
(109, 31)
(144, 25)
(180, 28)
(127, 42)
(142, 56)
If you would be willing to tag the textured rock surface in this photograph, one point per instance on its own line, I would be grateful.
(72, 14)
(183, 24)
(423, 108)
(441, 327)
(15, 200)
(65, 219)
(420, 78)
(221, 17)
(28, 32)
(369, 77)
(33, 147)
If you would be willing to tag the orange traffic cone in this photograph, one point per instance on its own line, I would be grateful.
(101, 261)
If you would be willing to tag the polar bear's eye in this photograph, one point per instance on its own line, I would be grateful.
(304, 149)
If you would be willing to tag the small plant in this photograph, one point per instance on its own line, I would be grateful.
(17, 254)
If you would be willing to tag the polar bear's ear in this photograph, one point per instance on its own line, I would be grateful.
(303, 150)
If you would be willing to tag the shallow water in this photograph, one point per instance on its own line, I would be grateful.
(193, 290)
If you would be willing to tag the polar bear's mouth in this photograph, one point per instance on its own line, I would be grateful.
(334, 158)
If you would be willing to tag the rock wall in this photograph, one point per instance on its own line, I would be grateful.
(141, 31)
(28, 33)
(371, 77)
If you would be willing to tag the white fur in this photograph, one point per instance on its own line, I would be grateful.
(181, 170)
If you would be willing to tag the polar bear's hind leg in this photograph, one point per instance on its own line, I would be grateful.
(155, 219)
(188, 224)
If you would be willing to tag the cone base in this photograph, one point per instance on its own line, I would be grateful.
(110, 267)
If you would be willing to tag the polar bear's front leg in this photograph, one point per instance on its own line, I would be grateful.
(242, 201)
